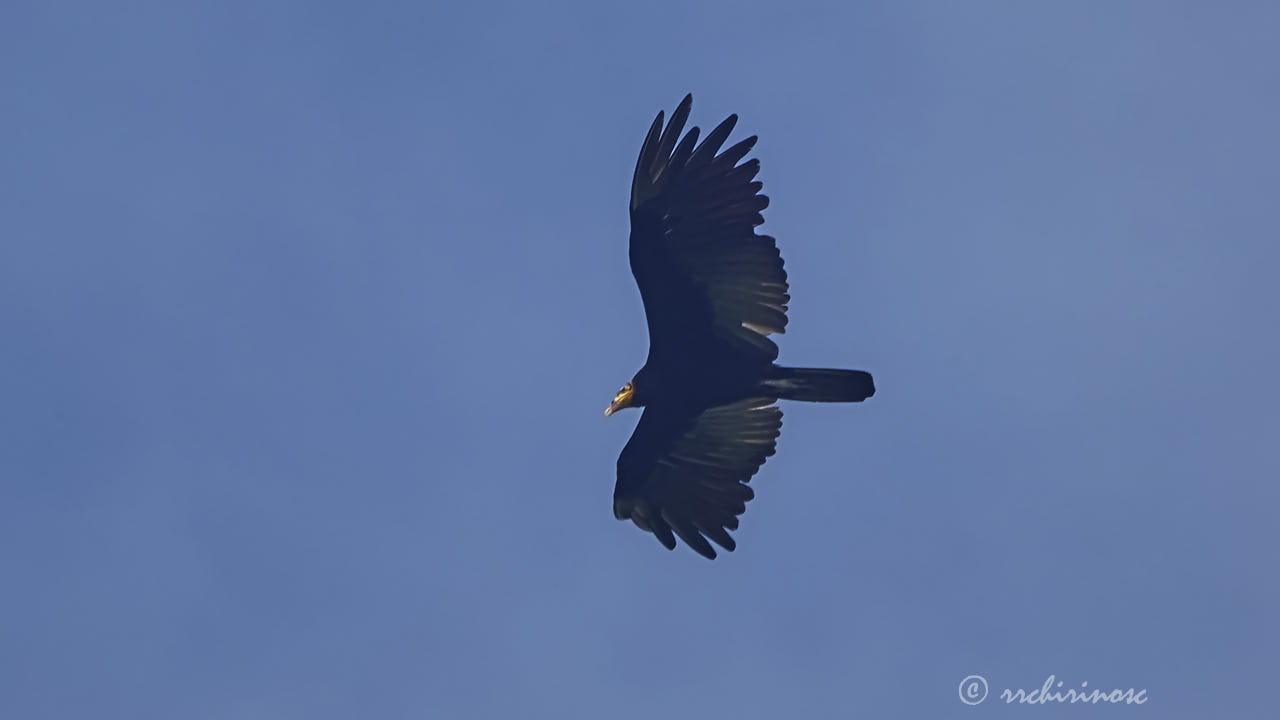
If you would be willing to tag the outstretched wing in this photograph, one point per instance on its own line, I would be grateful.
(711, 286)
(685, 472)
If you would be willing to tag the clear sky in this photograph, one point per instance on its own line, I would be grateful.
(309, 313)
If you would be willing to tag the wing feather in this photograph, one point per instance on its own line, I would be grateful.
(684, 472)
(711, 286)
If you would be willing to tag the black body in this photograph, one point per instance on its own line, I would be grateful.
(713, 292)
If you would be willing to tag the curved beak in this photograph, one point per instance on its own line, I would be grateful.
(621, 400)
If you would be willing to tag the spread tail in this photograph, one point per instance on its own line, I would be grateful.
(820, 385)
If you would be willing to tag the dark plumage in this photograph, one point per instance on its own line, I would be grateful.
(713, 292)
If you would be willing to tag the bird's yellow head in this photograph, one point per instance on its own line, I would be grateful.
(623, 399)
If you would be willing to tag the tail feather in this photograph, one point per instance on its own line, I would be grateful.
(821, 385)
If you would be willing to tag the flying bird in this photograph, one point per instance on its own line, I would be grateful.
(713, 291)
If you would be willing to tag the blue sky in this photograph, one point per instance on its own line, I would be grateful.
(310, 312)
